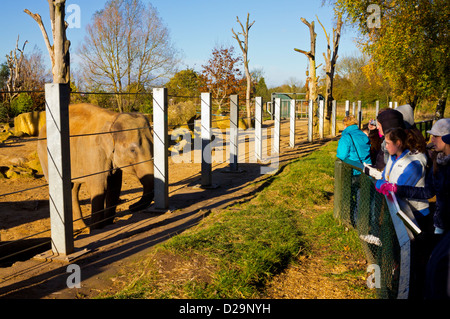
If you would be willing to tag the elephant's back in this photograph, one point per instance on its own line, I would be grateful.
(87, 118)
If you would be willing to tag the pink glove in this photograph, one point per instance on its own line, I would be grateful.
(386, 188)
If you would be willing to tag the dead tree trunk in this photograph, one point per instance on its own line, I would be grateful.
(14, 64)
(59, 51)
(440, 108)
(330, 60)
(243, 44)
(313, 79)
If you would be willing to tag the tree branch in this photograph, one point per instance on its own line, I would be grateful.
(38, 19)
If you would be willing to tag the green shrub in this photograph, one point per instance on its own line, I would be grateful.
(22, 104)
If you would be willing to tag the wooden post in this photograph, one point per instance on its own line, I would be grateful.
(377, 108)
(57, 97)
(160, 145)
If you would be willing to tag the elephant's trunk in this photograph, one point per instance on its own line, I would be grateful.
(147, 196)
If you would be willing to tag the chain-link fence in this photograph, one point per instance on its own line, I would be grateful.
(383, 235)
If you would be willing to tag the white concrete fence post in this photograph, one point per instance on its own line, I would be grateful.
(206, 179)
(234, 132)
(321, 118)
(377, 108)
(293, 120)
(347, 108)
(160, 148)
(277, 126)
(57, 97)
(310, 120)
(258, 127)
(333, 119)
(359, 114)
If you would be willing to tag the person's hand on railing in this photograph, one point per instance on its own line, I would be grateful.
(372, 171)
(386, 189)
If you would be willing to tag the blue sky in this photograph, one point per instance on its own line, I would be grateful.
(197, 26)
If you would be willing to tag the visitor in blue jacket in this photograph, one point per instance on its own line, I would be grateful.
(354, 144)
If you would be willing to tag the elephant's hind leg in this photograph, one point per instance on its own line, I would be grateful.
(78, 221)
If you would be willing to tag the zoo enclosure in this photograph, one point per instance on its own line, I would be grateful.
(160, 100)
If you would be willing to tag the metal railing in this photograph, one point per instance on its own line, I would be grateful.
(385, 231)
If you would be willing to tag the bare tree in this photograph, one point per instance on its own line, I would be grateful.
(59, 51)
(14, 61)
(127, 48)
(243, 44)
(330, 62)
(313, 79)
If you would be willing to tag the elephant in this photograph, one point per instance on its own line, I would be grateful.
(103, 145)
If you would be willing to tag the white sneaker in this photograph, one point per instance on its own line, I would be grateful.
(371, 239)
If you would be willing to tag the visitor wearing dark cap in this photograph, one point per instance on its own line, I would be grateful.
(387, 119)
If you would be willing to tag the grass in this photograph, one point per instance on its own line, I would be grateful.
(236, 252)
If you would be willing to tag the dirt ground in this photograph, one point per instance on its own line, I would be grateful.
(31, 271)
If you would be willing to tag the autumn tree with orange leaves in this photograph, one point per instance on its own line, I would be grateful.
(222, 75)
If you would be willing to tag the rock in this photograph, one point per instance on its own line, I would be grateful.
(18, 172)
(29, 123)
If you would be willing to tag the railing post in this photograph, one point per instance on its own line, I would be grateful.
(347, 108)
(377, 108)
(57, 97)
(160, 145)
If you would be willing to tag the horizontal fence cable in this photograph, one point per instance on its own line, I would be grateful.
(23, 190)
(106, 171)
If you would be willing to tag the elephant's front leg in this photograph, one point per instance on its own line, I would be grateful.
(114, 186)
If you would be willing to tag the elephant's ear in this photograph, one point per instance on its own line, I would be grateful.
(106, 139)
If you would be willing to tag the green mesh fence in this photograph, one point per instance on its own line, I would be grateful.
(383, 235)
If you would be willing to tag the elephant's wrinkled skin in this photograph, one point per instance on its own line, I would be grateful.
(98, 160)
